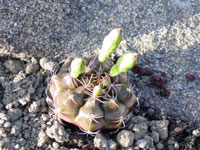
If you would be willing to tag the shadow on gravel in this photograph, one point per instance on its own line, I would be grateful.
(1, 91)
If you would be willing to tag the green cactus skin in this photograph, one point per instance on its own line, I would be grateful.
(110, 44)
(94, 100)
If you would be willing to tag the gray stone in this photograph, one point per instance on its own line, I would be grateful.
(16, 129)
(25, 99)
(149, 140)
(63, 148)
(125, 138)
(14, 114)
(7, 126)
(21, 141)
(2, 122)
(141, 143)
(140, 130)
(155, 136)
(34, 60)
(3, 116)
(152, 148)
(159, 146)
(176, 145)
(13, 66)
(50, 66)
(150, 112)
(42, 138)
(43, 61)
(161, 127)
(2, 132)
(34, 107)
(17, 146)
(55, 145)
(27, 134)
(20, 76)
(168, 27)
(112, 145)
(31, 68)
(101, 142)
(171, 142)
(129, 148)
(45, 117)
(57, 132)
(138, 119)
(196, 133)
(171, 147)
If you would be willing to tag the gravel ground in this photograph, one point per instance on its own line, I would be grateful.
(166, 34)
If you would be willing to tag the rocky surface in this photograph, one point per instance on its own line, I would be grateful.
(27, 122)
(164, 32)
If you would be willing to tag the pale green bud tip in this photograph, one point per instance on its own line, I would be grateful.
(124, 64)
(110, 44)
(128, 61)
(97, 90)
(77, 67)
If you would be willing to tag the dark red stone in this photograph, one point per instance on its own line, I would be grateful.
(164, 92)
(136, 69)
(146, 71)
(190, 77)
(158, 80)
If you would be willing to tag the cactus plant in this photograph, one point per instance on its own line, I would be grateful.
(85, 94)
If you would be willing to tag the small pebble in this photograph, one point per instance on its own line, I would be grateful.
(43, 61)
(16, 129)
(100, 142)
(7, 125)
(13, 66)
(170, 142)
(112, 145)
(176, 145)
(14, 114)
(125, 138)
(55, 145)
(45, 117)
(155, 136)
(141, 143)
(140, 130)
(196, 133)
(34, 107)
(161, 127)
(3, 116)
(50, 66)
(57, 132)
(159, 146)
(31, 68)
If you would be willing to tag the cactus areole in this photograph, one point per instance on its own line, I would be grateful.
(90, 97)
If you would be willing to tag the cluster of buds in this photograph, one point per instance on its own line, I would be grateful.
(94, 93)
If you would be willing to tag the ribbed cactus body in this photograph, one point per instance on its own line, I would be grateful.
(75, 101)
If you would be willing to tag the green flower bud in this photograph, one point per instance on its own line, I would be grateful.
(77, 67)
(124, 63)
(110, 44)
(97, 90)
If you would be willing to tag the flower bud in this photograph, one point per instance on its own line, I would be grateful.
(110, 44)
(97, 90)
(77, 67)
(124, 63)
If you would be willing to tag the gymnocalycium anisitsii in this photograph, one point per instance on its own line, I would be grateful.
(94, 93)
